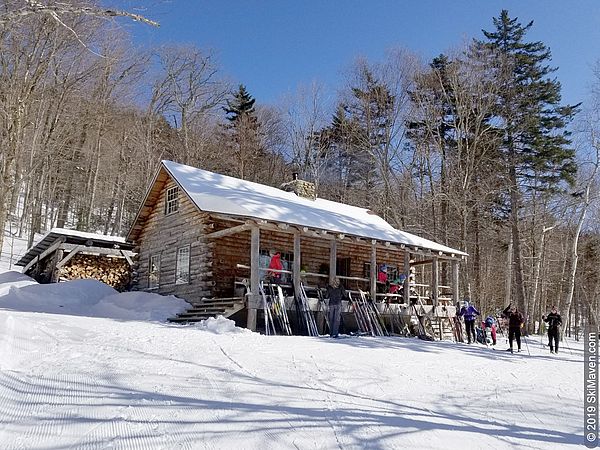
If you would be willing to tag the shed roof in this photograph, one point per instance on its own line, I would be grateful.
(215, 193)
(72, 237)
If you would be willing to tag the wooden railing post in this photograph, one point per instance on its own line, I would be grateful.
(253, 299)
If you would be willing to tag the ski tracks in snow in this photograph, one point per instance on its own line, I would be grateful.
(330, 407)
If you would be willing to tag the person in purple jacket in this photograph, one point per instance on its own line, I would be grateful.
(469, 312)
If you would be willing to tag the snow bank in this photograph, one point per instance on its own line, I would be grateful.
(13, 279)
(141, 306)
(220, 325)
(84, 298)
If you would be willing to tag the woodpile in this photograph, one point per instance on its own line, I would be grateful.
(115, 272)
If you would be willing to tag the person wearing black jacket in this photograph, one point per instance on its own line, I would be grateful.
(336, 294)
(554, 322)
(515, 322)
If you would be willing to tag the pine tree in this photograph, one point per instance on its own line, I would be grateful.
(370, 115)
(536, 145)
(243, 131)
(242, 104)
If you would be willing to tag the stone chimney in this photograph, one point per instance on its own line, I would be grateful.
(301, 188)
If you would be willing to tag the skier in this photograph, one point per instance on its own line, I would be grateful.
(515, 323)
(490, 323)
(382, 278)
(469, 312)
(275, 264)
(554, 321)
(336, 294)
(397, 286)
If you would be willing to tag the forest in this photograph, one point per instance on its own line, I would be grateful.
(473, 149)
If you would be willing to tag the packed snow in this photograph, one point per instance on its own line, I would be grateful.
(84, 367)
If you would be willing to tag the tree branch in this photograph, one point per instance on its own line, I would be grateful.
(33, 7)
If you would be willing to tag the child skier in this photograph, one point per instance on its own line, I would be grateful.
(489, 324)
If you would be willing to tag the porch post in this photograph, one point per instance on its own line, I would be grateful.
(57, 258)
(434, 281)
(253, 299)
(373, 270)
(455, 291)
(297, 264)
(407, 277)
(332, 261)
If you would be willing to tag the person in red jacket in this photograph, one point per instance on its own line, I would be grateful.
(275, 264)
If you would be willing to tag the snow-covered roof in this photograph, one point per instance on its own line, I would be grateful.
(212, 192)
(72, 237)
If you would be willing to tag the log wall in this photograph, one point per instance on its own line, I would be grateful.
(235, 249)
(163, 234)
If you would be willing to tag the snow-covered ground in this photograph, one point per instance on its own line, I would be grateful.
(13, 248)
(80, 369)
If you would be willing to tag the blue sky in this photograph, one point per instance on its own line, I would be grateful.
(273, 46)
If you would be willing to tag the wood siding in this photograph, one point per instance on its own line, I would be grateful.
(234, 249)
(164, 234)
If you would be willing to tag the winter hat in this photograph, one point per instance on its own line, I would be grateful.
(383, 268)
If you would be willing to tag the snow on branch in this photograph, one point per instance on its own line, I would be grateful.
(56, 9)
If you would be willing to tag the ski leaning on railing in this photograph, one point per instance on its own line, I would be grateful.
(397, 323)
(423, 334)
(323, 307)
(305, 313)
(377, 320)
(364, 325)
(269, 324)
(367, 316)
(277, 309)
(283, 312)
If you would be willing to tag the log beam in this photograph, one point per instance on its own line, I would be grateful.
(66, 259)
(455, 291)
(434, 281)
(229, 231)
(373, 274)
(297, 264)
(254, 277)
(332, 261)
(57, 243)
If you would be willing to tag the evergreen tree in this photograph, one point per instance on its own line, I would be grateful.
(242, 104)
(536, 145)
(243, 131)
(370, 116)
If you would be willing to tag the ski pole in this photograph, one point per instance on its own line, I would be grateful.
(564, 339)
(527, 345)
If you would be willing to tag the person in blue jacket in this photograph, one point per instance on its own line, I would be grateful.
(469, 312)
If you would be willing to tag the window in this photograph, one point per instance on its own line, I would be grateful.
(154, 272)
(182, 271)
(343, 267)
(172, 200)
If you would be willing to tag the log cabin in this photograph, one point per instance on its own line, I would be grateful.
(208, 238)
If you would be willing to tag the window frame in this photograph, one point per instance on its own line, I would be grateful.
(154, 273)
(178, 281)
(172, 200)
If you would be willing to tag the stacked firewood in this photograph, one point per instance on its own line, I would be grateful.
(115, 272)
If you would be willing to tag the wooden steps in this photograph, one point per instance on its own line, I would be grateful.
(210, 307)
